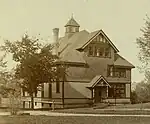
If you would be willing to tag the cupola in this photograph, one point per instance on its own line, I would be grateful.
(71, 27)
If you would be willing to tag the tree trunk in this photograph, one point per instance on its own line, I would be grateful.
(32, 101)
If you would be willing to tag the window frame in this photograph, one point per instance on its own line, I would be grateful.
(94, 51)
(57, 86)
(114, 88)
(116, 72)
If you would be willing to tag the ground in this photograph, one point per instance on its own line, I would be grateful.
(72, 120)
(123, 114)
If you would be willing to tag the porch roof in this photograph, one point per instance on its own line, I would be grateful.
(96, 80)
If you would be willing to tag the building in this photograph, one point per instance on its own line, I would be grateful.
(95, 72)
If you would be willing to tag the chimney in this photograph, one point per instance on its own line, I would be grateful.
(55, 34)
(55, 40)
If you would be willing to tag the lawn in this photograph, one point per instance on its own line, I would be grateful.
(131, 106)
(72, 120)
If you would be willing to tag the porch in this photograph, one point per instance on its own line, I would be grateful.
(99, 89)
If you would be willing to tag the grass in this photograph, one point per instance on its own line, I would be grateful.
(131, 106)
(72, 120)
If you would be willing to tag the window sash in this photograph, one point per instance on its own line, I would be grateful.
(116, 72)
(99, 51)
(117, 91)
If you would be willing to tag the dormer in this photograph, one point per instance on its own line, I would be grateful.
(71, 27)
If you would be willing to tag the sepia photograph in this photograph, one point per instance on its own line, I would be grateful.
(74, 61)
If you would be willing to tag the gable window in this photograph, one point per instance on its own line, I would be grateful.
(107, 52)
(101, 38)
(116, 72)
(90, 50)
(101, 52)
(95, 51)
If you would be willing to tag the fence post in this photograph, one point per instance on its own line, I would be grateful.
(141, 105)
(53, 105)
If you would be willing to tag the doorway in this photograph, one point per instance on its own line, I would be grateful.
(100, 93)
(97, 94)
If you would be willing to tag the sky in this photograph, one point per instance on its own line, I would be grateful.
(121, 20)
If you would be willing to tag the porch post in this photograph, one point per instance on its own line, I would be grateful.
(107, 91)
(93, 95)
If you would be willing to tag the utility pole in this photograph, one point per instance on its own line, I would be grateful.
(63, 80)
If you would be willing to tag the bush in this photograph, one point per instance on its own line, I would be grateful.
(134, 97)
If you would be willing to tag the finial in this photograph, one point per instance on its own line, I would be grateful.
(72, 15)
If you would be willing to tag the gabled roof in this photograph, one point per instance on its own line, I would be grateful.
(120, 61)
(94, 34)
(67, 47)
(96, 80)
(72, 22)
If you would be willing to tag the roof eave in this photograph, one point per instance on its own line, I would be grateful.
(125, 66)
(100, 31)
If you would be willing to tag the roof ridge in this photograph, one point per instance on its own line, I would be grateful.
(72, 22)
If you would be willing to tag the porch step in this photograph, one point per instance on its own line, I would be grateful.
(100, 105)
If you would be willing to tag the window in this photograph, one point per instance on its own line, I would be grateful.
(35, 94)
(95, 51)
(117, 91)
(107, 52)
(42, 92)
(98, 38)
(90, 50)
(77, 29)
(50, 90)
(101, 38)
(57, 86)
(98, 51)
(116, 72)
(110, 92)
(23, 92)
(101, 52)
(24, 104)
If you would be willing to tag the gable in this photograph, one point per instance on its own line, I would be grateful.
(98, 81)
(99, 47)
(98, 36)
(99, 41)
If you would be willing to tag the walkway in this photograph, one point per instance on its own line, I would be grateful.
(48, 113)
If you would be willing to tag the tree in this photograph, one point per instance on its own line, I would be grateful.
(8, 87)
(35, 63)
(142, 91)
(143, 43)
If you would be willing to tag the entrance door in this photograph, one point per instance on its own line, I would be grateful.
(98, 94)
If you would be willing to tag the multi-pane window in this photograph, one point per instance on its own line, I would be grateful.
(117, 91)
(116, 72)
(99, 51)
